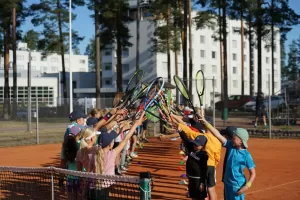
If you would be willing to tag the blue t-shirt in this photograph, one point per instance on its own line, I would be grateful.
(236, 162)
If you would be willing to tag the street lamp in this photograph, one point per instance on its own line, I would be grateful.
(28, 90)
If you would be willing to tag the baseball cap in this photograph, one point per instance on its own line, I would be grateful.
(75, 130)
(91, 121)
(243, 134)
(229, 131)
(76, 115)
(106, 138)
(199, 140)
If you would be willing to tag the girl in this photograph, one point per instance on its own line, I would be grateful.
(100, 159)
(235, 184)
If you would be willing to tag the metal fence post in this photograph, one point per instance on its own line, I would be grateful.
(270, 108)
(37, 121)
(214, 109)
(145, 189)
(52, 185)
(85, 105)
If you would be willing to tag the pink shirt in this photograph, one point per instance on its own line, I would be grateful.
(89, 164)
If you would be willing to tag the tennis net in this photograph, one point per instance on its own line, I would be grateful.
(54, 183)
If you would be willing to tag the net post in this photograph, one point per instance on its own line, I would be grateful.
(145, 186)
(52, 184)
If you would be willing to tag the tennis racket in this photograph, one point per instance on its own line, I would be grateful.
(134, 81)
(200, 85)
(183, 90)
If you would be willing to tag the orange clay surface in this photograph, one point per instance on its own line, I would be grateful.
(277, 166)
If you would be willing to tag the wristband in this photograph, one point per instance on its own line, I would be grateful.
(107, 116)
(248, 184)
(208, 125)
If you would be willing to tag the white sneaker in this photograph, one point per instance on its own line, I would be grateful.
(132, 155)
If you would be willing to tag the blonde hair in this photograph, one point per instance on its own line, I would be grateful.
(99, 161)
(84, 144)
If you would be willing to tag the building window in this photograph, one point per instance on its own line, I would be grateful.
(19, 57)
(275, 61)
(107, 52)
(234, 44)
(54, 69)
(81, 61)
(235, 83)
(267, 60)
(125, 52)
(107, 81)
(275, 84)
(245, 84)
(202, 39)
(125, 82)
(82, 70)
(202, 53)
(43, 58)
(203, 67)
(125, 68)
(234, 70)
(20, 67)
(107, 66)
(213, 55)
(245, 58)
(234, 56)
(54, 60)
(214, 69)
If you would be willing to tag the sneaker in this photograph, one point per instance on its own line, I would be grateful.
(128, 158)
(123, 168)
(132, 155)
(183, 182)
(118, 172)
(145, 140)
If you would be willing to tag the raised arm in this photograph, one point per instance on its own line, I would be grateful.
(213, 130)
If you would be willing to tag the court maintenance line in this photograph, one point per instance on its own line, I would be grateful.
(275, 186)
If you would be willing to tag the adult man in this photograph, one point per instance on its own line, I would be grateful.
(261, 110)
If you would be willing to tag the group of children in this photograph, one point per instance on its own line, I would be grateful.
(102, 143)
(202, 144)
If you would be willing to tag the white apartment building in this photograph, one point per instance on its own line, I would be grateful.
(43, 88)
(206, 56)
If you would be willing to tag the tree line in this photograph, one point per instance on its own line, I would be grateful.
(264, 20)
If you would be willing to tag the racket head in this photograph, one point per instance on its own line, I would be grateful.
(135, 80)
(181, 87)
(200, 85)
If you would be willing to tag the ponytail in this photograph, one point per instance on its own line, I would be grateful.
(99, 160)
(70, 148)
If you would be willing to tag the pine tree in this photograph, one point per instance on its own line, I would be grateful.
(293, 63)
(114, 21)
(90, 51)
(31, 37)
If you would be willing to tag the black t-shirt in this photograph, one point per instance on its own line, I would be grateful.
(196, 164)
(260, 102)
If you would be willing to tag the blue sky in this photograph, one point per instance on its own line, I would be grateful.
(85, 25)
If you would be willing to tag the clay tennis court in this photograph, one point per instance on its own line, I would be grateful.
(277, 164)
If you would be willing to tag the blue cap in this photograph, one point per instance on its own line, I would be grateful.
(229, 131)
(91, 121)
(199, 140)
(106, 138)
(76, 115)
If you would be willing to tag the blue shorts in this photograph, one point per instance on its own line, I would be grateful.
(230, 193)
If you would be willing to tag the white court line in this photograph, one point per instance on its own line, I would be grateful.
(272, 187)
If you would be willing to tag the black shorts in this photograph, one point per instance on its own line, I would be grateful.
(145, 124)
(261, 112)
(194, 191)
(211, 176)
(94, 194)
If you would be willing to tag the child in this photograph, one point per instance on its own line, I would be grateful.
(196, 165)
(101, 159)
(235, 184)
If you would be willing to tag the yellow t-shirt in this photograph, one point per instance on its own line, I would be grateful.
(212, 147)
